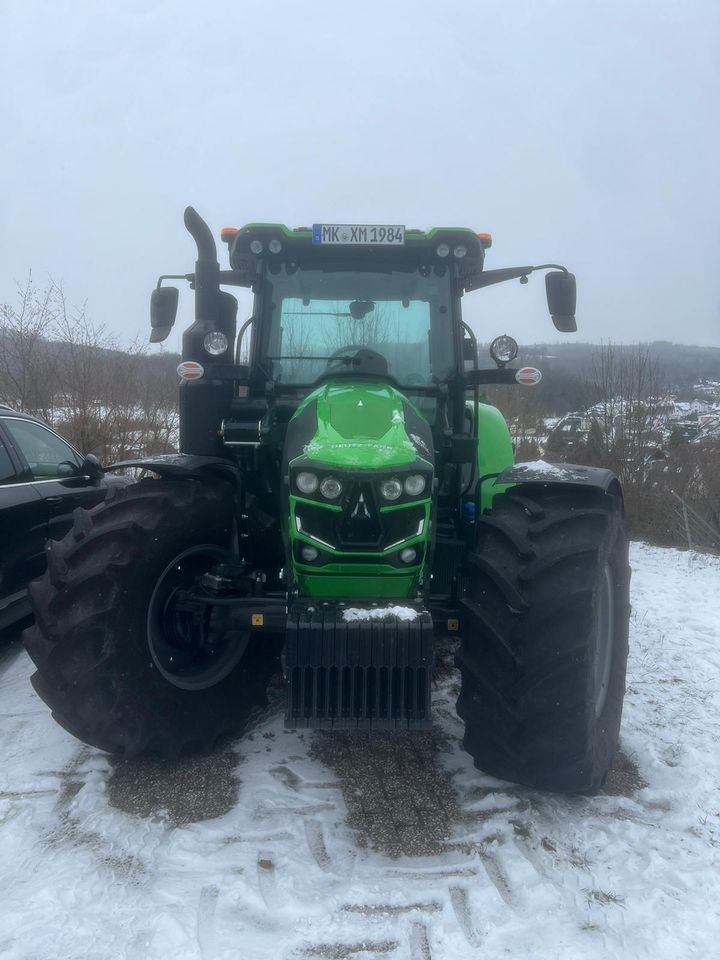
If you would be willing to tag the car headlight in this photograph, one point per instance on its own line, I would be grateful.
(306, 482)
(414, 484)
(331, 488)
(391, 489)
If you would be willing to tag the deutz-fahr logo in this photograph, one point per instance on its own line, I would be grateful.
(360, 509)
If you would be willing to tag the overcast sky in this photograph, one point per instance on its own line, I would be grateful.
(586, 133)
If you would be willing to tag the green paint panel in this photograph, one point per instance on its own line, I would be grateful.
(381, 586)
(360, 425)
(495, 452)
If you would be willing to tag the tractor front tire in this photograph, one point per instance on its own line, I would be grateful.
(545, 642)
(92, 646)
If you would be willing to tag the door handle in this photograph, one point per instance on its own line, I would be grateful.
(53, 499)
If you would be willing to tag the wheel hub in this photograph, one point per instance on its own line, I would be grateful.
(183, 647)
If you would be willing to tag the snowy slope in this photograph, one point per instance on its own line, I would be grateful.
(330, 847)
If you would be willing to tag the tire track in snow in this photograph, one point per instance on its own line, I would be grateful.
(267, 881)
(346, 951)
(293, 781)
(387, 910)
(316, 843)
(207, 904)
(419, 942)
(464, 915)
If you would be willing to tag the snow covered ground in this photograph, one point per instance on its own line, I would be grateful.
(337, 848)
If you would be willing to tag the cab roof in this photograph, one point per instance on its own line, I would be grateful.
(277, 243)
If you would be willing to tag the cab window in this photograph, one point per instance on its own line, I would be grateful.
(314, 315)
(48, 457)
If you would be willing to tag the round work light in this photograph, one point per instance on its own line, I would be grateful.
(414, 484)
(503, 349)
(391, 489)
(331, 488)
(306, 482)
(215, 343)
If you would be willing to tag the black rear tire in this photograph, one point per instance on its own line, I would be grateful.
(544, 650)
(95, 667)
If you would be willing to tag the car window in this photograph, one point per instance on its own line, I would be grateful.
(7, 471)
(47, 455)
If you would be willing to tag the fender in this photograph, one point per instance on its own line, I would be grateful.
(180, 465)
(562, 474)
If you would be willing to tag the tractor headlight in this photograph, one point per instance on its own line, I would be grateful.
(391, 489)
(442, 250)
(306, 482)
(503, 349)
(331, 488)
(274, 246)
(414, 484)
(256, 247)
(215, 343)
(309, 554)
(408, 555)
(460, 251)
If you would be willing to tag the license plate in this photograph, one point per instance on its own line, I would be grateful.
(350, 234)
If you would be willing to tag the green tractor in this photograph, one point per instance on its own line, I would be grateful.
(343, 496)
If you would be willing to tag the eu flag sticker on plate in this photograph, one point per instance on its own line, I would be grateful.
(356, 233)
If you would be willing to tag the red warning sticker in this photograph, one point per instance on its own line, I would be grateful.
(528, 376)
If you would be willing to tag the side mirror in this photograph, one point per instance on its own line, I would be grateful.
(91, 467)
(561, 297)
(163, 309)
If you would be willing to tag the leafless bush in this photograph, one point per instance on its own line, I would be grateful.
(58, 363)
(26, 368)
(628, 390)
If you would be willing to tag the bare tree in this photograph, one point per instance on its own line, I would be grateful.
(59, 364)
(629, 385)
(27, 374)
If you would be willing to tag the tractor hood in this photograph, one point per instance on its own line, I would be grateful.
(366, 425)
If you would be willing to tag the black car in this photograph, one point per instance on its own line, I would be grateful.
(42, 480)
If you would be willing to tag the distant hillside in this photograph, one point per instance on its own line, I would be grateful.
(567, 370)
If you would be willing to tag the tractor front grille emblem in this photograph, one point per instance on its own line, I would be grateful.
(360, 510)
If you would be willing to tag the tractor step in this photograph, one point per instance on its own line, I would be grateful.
(359, 667)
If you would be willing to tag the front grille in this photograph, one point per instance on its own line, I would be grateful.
(360, 526)
(358, 674)
(345, 532)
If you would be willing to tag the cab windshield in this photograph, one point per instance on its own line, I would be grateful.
(315, 316)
